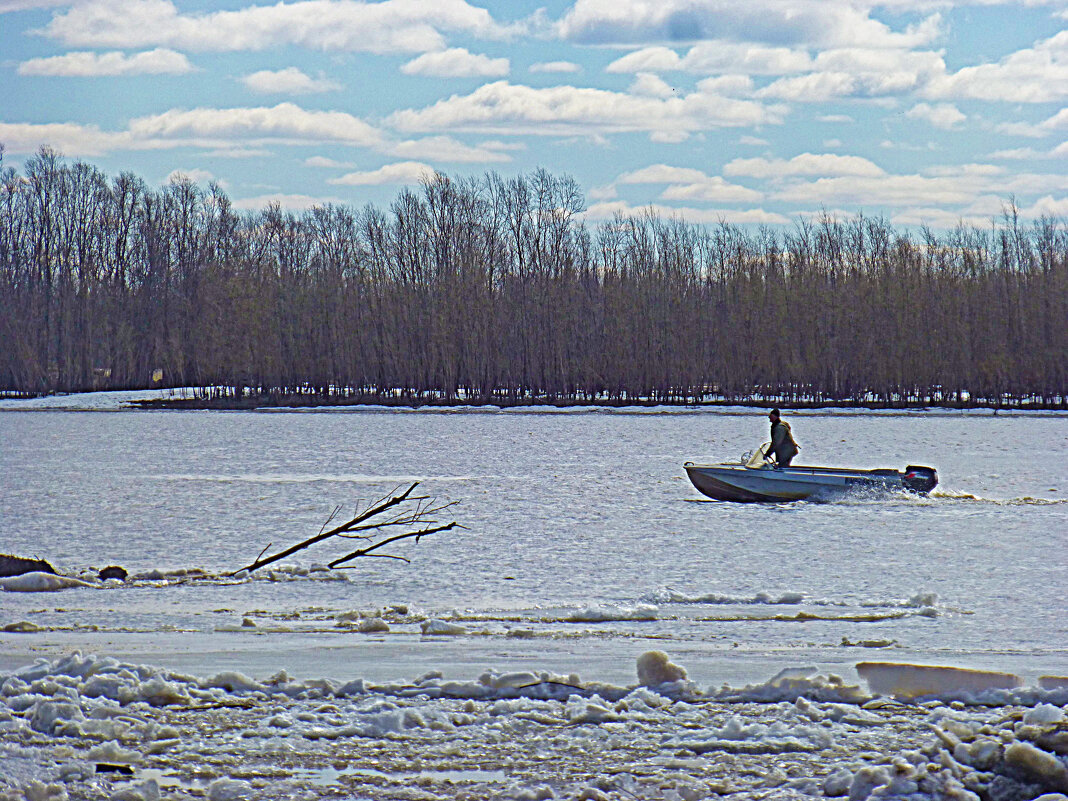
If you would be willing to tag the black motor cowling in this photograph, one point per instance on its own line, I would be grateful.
(920, 479)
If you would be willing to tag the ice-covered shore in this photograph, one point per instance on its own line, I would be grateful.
(87, 727)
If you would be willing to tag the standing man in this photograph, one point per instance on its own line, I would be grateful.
(783, 447)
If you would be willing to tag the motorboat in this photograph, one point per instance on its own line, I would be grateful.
(755, 478)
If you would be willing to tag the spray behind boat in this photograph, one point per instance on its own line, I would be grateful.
(920, 479)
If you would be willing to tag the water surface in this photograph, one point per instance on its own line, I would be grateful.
(585, 543)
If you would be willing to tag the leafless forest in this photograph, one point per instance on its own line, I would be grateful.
(496, 290)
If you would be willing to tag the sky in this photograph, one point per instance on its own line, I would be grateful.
(755, 112)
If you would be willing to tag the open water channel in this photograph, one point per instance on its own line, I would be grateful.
(585, 544)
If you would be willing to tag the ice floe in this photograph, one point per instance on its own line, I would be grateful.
(602, 613)
(667, 595)
(917, 681)
(41, 582)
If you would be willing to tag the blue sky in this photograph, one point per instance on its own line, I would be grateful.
(763, 111)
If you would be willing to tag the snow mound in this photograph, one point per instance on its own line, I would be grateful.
(759, 738)
(654, 669)
(793, 683)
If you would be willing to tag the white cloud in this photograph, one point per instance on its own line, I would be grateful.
(237, 152)
(68, 138)
(668, 137)
(648, 59)
(712, 190)
(605, 192)
(404, 172)
(649, 85)
(662, 174)
(816, 87)
(914, 147)
(456, 62)
(689, 184)
(884, 190)
(805, 164)
(390, 26)
(898, 65)
(196, 175)
(846, 72)
(938, 218)
(447, 149)
(957, 170)
(1048, 206)
(324, 162)
(729, 85)
(87, 65)
(504, 108)
(606, 210)
(222, 130)
(26, 5)
(950, 187)
(1018, 153)
(290, 202)
(749, 59)
(555, 66)
(1035, 75)
(285, 122)
(290, 81)
(941, 115)
(1058, 122)
(815, 22)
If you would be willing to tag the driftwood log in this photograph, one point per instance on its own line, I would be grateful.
(112, 572)
(418, 513)
(17, 565)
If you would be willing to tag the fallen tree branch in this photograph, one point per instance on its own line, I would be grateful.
(367, 521)
(416, 534)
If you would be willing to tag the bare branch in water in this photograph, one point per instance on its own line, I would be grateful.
(333, 514)
(373, 518)
(417, 535)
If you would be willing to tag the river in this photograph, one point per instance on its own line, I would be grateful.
(584, 545)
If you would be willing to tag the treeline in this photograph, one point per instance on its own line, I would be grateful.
(495, 289)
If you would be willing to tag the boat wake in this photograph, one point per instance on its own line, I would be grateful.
(1025, 500)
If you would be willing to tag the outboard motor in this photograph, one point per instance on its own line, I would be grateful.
(919, 479)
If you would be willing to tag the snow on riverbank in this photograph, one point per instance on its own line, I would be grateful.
(116, 400)
(87, 727)
(92, 401)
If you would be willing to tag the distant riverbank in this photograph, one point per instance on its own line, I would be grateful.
(197, 399)
(279, 401)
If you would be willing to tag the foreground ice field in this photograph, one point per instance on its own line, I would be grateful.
(86, 727)
(501, 663)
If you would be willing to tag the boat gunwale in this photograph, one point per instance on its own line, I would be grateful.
(878, 472)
